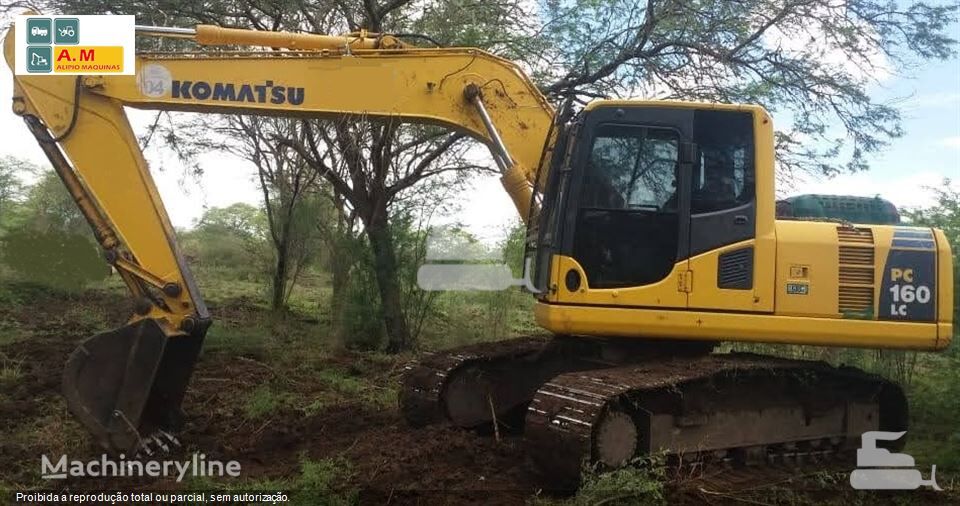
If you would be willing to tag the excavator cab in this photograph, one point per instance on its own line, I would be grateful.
(641, 188)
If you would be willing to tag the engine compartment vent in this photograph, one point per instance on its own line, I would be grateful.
(856, 255)
(856, 275)
(855, 235)
(735, 269)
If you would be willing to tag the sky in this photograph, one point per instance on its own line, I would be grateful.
(902, 173)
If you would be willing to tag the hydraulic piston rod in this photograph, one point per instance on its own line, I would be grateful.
(211, 35)
(512, 178)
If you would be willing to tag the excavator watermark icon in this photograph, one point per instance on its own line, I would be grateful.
(38, 60)
(878, 469)
(458, 262)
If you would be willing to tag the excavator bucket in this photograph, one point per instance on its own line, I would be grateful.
(125, 384)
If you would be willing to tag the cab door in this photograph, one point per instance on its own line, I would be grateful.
(626, 230)
(727, 258)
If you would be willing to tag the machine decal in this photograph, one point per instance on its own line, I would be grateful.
(909, 287)
(914, 233)
(229, 92)
(798, 289)
(154, 80)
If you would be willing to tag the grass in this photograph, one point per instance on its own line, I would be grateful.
(58, 430)
(338, 385)
(80, 315)
(315, 385)
(641, 483)
(10, 371)
(237, 341)
(11, 332)
(9, 296)
(341, 382)
(53, 432)
(469, 317)
(264, 401)
(363, 383)
(323, 481)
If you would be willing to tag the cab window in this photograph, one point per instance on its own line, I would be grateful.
(632, 168)
(725, 177)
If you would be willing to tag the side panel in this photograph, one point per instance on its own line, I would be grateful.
(665, 293)
(710, 270)
(945, 298)
(908, 290)
(754, 328)
(807, 269)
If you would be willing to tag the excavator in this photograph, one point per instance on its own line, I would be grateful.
(652, 237)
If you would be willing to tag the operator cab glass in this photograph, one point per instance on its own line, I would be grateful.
(628, 206)
(649, 187)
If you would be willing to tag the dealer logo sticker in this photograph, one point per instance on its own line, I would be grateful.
(75, 45)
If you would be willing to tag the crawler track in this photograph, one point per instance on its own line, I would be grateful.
(425, 382)
(747, 408)
(581, 401)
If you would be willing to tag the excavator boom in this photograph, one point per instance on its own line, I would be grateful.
(128, 382)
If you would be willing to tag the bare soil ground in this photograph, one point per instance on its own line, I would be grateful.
(385, 456)
(383, 460)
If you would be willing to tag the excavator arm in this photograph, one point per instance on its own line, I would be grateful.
(127, 383)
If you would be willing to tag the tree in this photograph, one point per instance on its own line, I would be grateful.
(369, 166)
(47, 206)
(934, 390)
(813, 60)
(12, 189)
(241, 220)
(372, 164)
(345, 251)
(231, 239)
(289, 187)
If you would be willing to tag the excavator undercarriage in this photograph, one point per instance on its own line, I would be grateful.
(590, 401)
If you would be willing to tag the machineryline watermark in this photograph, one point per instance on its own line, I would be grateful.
(108, 467)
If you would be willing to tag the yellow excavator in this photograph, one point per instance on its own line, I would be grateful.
(652, 236)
